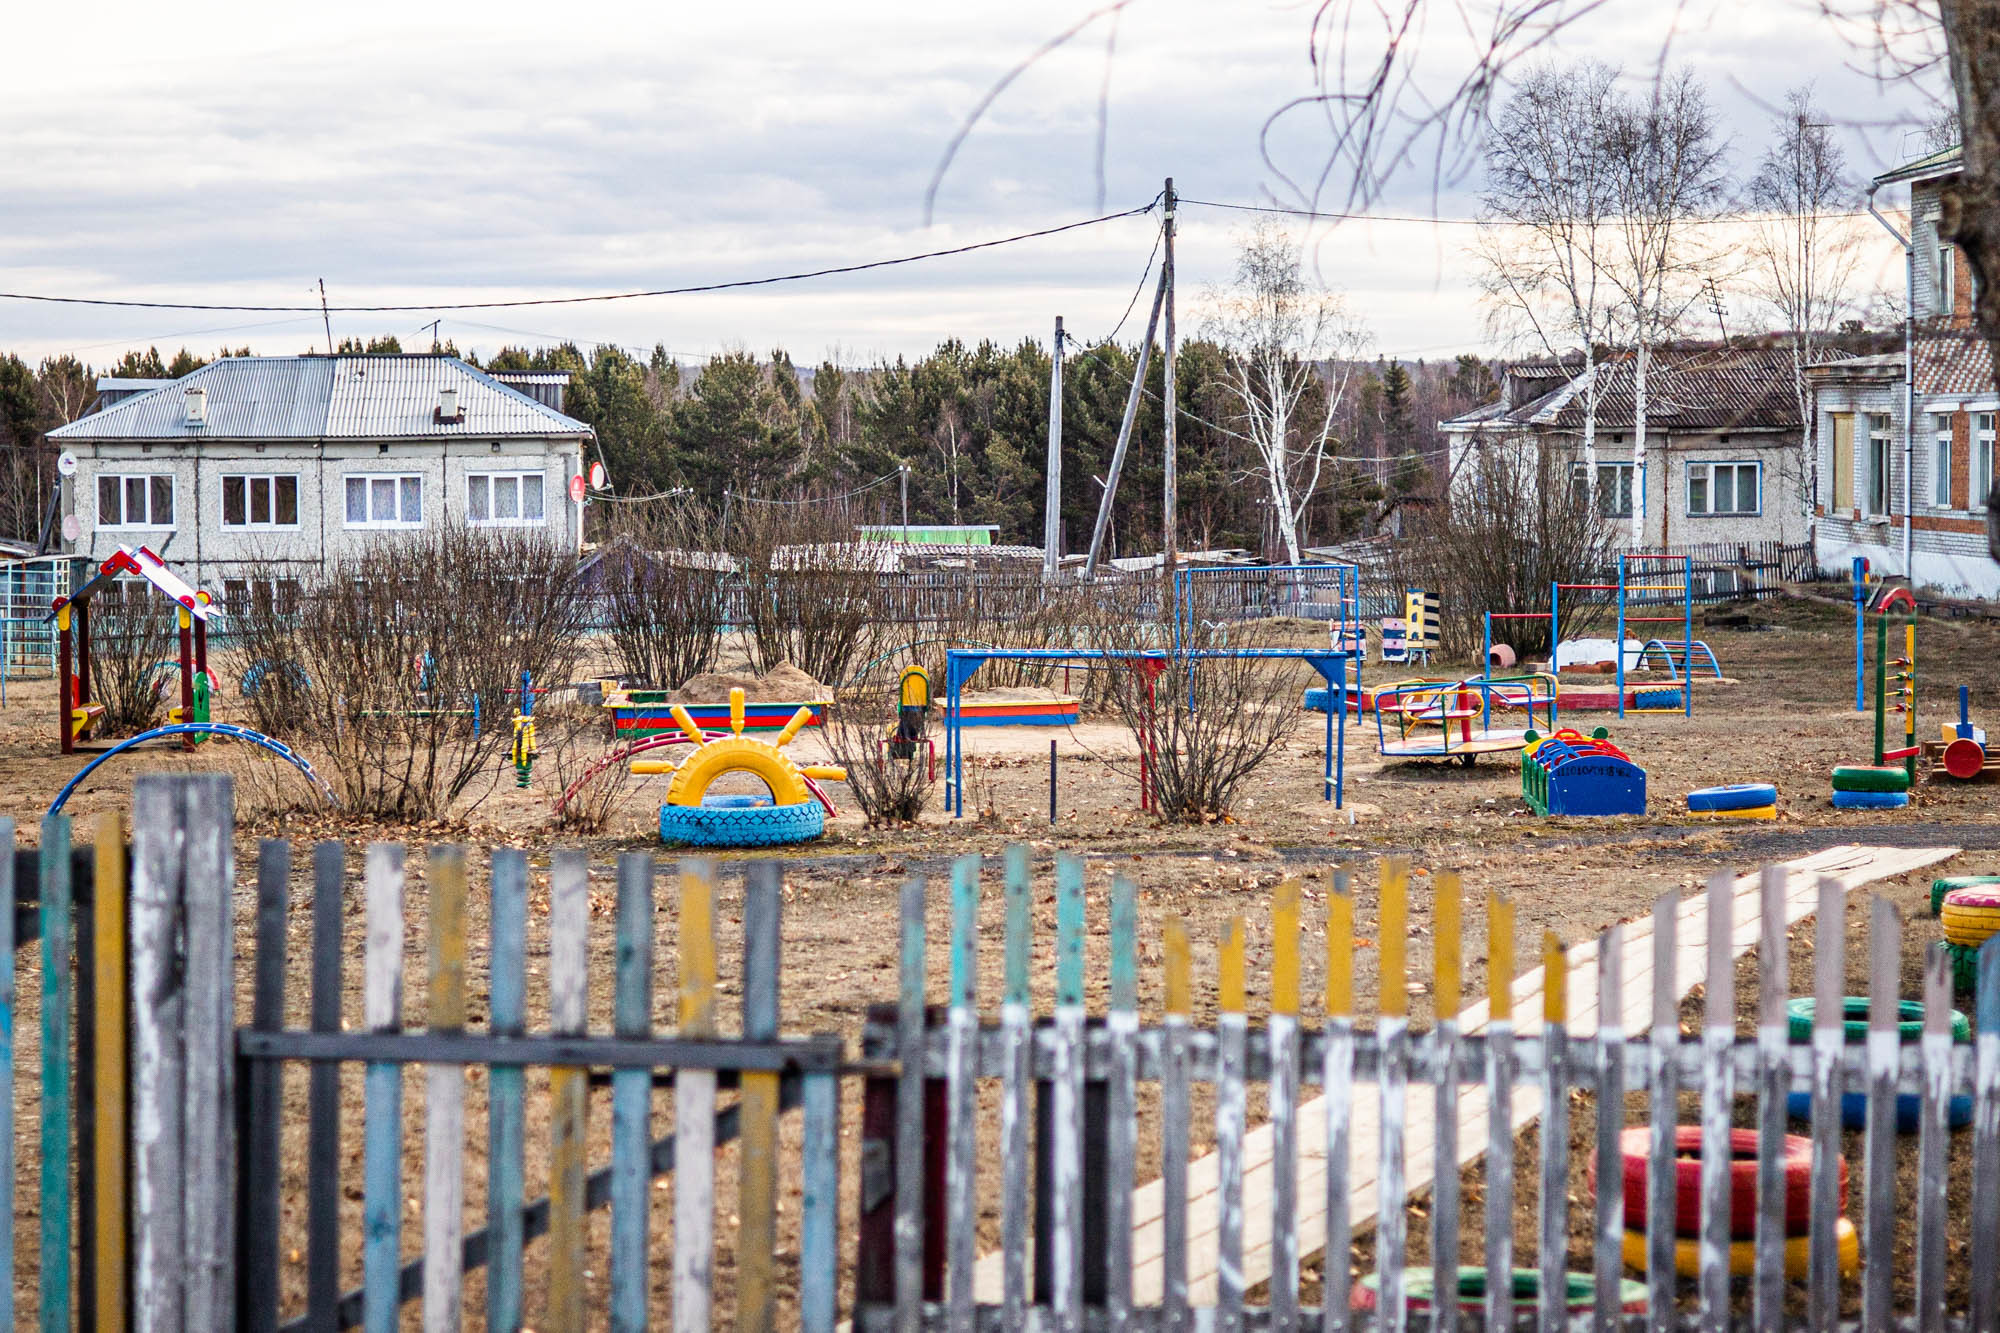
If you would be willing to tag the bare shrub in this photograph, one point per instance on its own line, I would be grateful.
(572, 740)
(1205, 724)
(134, 657)
(1513, 523)
(809, 587)
(402, 665)
(890, 788)
(664, 579)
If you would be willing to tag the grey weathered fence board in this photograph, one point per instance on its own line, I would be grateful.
(1828, 1039)
(1880, 1205)
(1718, 1033)
(1773, 1036)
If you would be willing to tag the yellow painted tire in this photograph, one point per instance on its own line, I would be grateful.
(1969, 926)
(1743, 1253)
(737, 754)
(1754, 812)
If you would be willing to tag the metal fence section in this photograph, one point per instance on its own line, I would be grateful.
(28, 588)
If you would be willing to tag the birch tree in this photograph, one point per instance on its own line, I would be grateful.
(1804, 250)
(1667, 176)
(1548, 182)
(1289, 348)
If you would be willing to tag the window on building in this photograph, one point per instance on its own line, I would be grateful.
(128, 500)
(1947, 280)
(503, 497)
(1982, 458)
(1725, 488)
(1842, 479)
(377, 500)
(277, 595)
(1614, 487)
(1881, 447)
(1941, 460)
(260, 501)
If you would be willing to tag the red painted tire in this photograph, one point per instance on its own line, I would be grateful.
(1964, 759)
(1635, 1144)
(1978, 895)
(1896, 597)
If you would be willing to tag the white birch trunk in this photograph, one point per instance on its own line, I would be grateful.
(1639, 496)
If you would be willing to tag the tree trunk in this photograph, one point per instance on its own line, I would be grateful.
(1639, 496)
(1970, 210)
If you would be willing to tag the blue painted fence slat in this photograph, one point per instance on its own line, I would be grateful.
(54, 1264)
(382, 1109)
(504, 1117)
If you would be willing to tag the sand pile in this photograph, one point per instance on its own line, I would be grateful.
(783, 683)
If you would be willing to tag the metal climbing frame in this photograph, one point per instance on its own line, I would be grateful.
(1686, 619)
(961, 663)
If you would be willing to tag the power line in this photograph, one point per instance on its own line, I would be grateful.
(821, 499)
(582, 300)
(1442, 221)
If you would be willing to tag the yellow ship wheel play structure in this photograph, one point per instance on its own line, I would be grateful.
(795, 810)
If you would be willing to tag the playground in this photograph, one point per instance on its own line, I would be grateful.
(1783, 713)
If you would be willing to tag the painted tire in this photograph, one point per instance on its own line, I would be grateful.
(737, 754)
(1762, 812)
(1799, 1015)
(1736, 796)
(1420, 1287)
(1964, 968)
(1866, 777)
(1635, 1144)
(1660, 700)
(1940, 887)
(1315, 700)
(742, 826)
(1743, 1254)
(1870, 800)
(1909, 1110)
(1894, 598)
(1970, 924)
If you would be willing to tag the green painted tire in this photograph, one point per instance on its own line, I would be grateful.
(1940, 887)
(1799, 1014)
(1964, 968)
(1864, 777)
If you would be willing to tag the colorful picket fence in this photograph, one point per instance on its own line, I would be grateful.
(161, 1119)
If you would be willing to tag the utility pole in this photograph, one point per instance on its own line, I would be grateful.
(1125, 431)
(1052, 498)
(1171, 501)
(903, 479)
(326, 317)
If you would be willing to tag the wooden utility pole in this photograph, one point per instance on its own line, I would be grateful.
(1052, 498)
(1170, 515)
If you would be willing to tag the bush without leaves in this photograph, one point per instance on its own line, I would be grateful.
(889, 789)
(664, 585)
(134, 657)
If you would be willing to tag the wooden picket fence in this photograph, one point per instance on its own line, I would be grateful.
(161, 1118)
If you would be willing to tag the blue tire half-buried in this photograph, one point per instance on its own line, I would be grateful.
(734, 825)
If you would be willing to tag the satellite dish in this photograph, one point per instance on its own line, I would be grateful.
(66, 463)
(576, 489)
(598, 479)
(71, 529)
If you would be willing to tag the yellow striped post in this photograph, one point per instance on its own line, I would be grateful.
(1285, 949)
(694, 1106)
(1394, 935)
(1179, 967)
(1339, 955)
(1555, 981)
(1233, 990)
(736, 710)
(1500, 957)
(444, 1107)
(686, 724)
(1447, 929)
(108, 950)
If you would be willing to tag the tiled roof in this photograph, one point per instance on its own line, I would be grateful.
(1723, 390)
(1956, 366)
(321, 397)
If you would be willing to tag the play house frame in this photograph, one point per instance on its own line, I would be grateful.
(71, 615)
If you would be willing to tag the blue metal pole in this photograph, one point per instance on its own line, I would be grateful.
(1340, 746)
(1860, 600)
(1687, 638)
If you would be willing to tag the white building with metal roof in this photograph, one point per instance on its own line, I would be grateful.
(275, 466)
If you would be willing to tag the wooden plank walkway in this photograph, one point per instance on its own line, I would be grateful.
(1851, 866)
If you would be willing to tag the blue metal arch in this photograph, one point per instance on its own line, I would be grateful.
(229, 729)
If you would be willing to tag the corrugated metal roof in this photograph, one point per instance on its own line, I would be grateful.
(1944, 162)
(1749, 389)
(318, 397)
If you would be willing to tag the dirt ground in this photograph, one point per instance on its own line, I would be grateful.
(1784, 715)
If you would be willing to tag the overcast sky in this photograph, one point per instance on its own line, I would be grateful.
(237, 153)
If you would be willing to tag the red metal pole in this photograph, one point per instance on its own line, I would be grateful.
(187, 673)
(66, 686)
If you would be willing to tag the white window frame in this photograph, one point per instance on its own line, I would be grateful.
(1941, 446)
(367, 479)
(485, 480)
(1881, 452)
(124, 479)
(1619, 485)
(249, 480)
(1705, 468)
(1947, 281)
(1982, 456)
